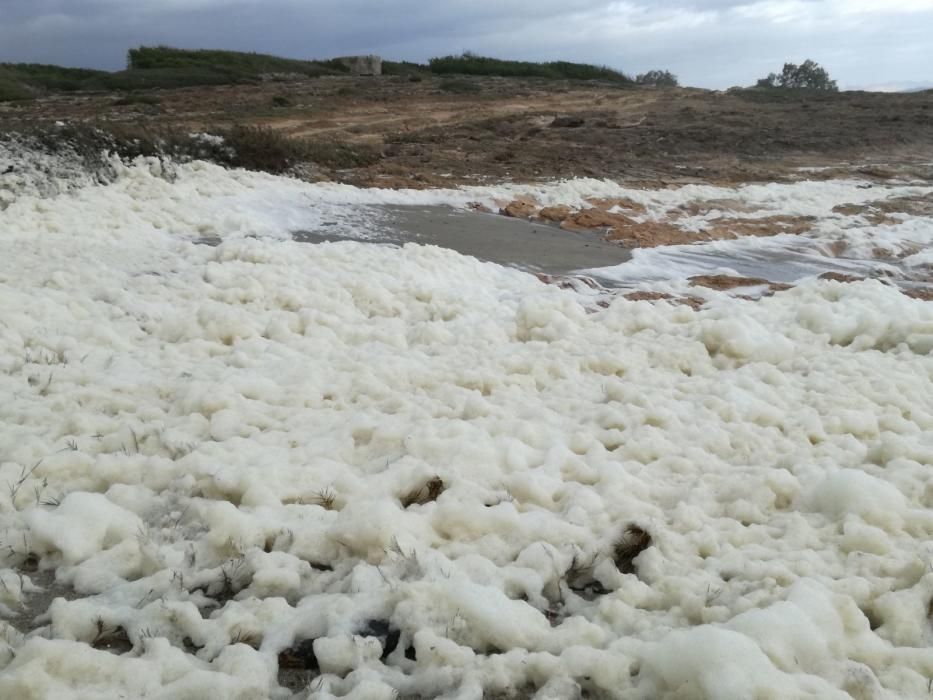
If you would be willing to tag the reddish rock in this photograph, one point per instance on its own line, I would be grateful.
(594, 218)
(922, 293)
(725, 282)
(558, 213)
(620, 202)
(647, 296)
(726, 229)
(694, 303)
(651, 234)
(520, 208)
(480, 207)
(691, 301)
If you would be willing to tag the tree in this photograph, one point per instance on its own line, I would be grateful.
(657, 78)
(809, 75)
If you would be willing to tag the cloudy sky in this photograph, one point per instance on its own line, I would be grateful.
(708, 43)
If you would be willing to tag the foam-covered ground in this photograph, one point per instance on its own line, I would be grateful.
(411, 470)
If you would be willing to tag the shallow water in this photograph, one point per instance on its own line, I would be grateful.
(526, 245)
(542, 247)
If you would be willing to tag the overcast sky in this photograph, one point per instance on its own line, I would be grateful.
(707, 43)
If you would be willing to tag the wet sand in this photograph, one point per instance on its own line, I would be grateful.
(530, 246)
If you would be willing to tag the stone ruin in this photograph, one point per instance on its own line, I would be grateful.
(363, 65)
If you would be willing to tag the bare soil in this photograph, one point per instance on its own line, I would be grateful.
(511, 129)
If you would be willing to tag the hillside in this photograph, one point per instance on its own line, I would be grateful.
(157, 67)
(150, 67)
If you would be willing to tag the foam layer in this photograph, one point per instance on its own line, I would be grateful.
(229, 452)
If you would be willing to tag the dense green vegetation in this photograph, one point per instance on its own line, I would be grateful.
(809, 75)
(151, 67)
(458, 85)
(12, 89)
(233, 63)
(471, 64)
(404, 68)
(657, 78)
(156, 67)
(52, 78)
(21, 81)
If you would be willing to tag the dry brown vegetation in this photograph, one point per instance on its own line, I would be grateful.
(426, 134)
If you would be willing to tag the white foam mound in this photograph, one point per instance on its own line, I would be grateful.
(214, 448)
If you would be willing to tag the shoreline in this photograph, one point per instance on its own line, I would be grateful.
(536, 247)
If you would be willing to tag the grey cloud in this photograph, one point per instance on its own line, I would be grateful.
(710, 43)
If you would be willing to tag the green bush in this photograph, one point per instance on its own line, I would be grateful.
(404, 68)
(12, 90)
(166, 78)
(37, 79)
(137, 100)
(339, 155)
(48, 77)
(262, 148)
(21, 81)
(232, 63)
(471, 64)
(809, 75)
(458, 86)
(657, 78)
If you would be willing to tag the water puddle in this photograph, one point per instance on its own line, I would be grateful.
(531, 246)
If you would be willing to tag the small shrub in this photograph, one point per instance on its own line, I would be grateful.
(166, 78)
(250, 147)
(341, 156)
(335, 64)
(262, 148)
(657, 78)
(137, 100)
(471, 64)
(11, 91)
(41, 77)
(404, 68)
(458, 86)
(809, 75)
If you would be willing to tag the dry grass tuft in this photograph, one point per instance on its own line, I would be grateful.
(112, 639)
(633, 542)
(325, 498)
(425, 493)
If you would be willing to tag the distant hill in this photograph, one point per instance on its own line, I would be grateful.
(167, 67)
(227, 64)
(156, 67)
(22, 81)
(898, 86)
(471, 64)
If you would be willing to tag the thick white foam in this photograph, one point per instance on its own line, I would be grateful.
(188, 410)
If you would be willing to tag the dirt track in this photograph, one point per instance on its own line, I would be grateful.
(442, 131)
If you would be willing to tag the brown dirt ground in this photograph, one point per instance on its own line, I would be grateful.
(501, 128)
